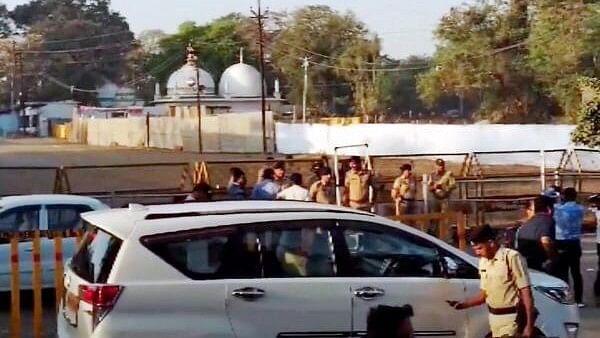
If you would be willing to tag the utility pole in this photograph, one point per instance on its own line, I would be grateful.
(260, 17)
(13, 74)
(21, 92)
(305, 90)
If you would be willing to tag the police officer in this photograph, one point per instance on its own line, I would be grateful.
(323, 190)
(441, 184)
(505, 287)
(404, 191)
(356, 186)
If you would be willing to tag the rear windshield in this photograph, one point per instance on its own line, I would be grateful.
(96, 255)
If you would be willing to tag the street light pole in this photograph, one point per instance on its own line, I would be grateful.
(199, 108)
(304, 92)
(258, 15)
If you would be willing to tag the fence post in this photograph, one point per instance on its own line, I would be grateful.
(425, 187)
(58, 268)
(543, 170)
(15, 288)
(37, 286)
(147, 129)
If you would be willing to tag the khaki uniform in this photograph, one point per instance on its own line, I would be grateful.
(356, 189)
(321, 193)
(404, 192)
(439, 200)
(501, 279)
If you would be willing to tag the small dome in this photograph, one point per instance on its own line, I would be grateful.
(108, 90)
(178, 81)
(240, 80)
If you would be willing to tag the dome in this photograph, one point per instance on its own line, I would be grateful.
(240, 80)
(178, 81)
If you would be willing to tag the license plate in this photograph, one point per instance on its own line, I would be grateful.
(71, 308)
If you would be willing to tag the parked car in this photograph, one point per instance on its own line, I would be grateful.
(272, 269)
(39, 212)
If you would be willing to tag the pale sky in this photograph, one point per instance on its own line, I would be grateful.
(405, 26)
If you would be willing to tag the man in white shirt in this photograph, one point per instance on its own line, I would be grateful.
(295, 192)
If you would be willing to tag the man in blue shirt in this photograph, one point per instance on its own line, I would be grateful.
(266, 189)
(569, 221)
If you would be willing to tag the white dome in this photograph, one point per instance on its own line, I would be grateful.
(240, 80)
(178, 81)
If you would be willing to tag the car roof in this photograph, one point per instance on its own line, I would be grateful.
(120, 222)
(22, 200)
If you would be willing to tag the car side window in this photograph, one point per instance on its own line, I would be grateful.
(295, 249)
(66, 217)
(20, 219)
(375, 250)
(205, 255)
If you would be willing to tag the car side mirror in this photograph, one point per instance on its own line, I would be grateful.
(450, 266)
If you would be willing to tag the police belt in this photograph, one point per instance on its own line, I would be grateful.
(503, 310)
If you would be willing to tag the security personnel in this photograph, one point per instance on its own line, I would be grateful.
(404, 191)
(505, 287)
(323, 190)
(441, 184)
(356, 186)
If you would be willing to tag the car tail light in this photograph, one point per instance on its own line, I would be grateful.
(102, 298)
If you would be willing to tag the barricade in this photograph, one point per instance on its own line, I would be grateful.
(30, 244)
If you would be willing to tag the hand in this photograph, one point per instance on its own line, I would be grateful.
(456, 305)
(528, 331)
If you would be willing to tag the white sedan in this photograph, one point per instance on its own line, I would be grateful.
(26, 213)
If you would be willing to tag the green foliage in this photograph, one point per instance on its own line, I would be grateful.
(587, 132)
(321, 30)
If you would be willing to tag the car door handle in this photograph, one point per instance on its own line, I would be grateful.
(368, 293)
(248, 293)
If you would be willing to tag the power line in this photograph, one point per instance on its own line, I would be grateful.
(87, 38)
(76, 50)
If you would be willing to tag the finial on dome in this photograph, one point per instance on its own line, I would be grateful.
(241, 54)
(191, 54)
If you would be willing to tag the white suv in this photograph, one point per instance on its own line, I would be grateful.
(27, 213)
(264, 269)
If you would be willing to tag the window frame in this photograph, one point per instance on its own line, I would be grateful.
(47, 207)
(240, 229)
(345, 267)
(40, 209)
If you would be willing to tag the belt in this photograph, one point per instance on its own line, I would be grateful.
(503, 310)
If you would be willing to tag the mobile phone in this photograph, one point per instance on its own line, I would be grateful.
(452, 303)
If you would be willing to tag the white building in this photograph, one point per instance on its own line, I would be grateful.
(238, 90)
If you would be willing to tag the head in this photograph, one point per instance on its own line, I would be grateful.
(355, 163)
(325, 175)
(390, 322)
(202, 192)
(570, 195)
(440, 165)
(316, 167)
(594, 200)
(296, 179)
(238, 176)
(279, 170)
(483, 241)
(268, 174)
(553, 193)
(540, 205)
(406, 170)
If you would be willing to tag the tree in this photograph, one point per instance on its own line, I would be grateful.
(150, 41)
(563, 45)
(587, 132)
(77, 43)
(323, 35)
(398, 89)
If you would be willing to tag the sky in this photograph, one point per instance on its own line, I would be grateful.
(405, 26)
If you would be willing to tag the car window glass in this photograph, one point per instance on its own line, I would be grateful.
(96, 255)
(20, 219)
(212, 255)
(376, 252)
(304, 250)
(65, 217)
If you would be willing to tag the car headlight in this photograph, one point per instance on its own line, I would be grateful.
(558, 294)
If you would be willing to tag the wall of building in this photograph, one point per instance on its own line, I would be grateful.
(231, 133)
(9, 123)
